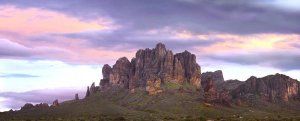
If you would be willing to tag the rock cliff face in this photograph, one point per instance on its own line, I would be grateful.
(55, 103)
(29, 106)
(216, 76)
(230, 85)
(272, 88)
(153, 64)
(209, 81)
(76, 96)
(214, 91)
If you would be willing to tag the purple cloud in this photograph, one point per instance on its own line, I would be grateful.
(17, 75)
(15, 100)
(236, 16)
(283, 60)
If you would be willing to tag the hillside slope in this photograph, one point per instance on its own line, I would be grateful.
(177, 102)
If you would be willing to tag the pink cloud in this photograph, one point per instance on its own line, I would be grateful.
(70, 51)
(18, 26)
(36, 21)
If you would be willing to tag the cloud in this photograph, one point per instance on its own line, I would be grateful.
(13, 49)
(123, 40)
(200, 26)
(16, 75)
(31, 21)
(282, 4)
(281, 59)
(14, 100)
(236, 17)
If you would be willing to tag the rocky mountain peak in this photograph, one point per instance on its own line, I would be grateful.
(216, 77)
(160, 48)
(271, 88)
(153, 64)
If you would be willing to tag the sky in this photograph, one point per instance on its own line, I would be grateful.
(53, 49)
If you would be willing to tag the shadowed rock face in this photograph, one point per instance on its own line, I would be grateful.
(55, 103)
(120, 73)
(216, 77)
(29, 106)
(150, 64)
(216, 90)
(230, 85)
(88, 93)
(271, 88)
(93, 89)
(76, 96)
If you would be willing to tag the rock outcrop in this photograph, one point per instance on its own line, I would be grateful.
(29, 106)
(41, 106)
(88, 93)
(216, 90)
(216, 77)
(272, 88)
(120, 72)
(210, 93)
(153, 86)
(76, 96)
(152, 64)
(93, 89)
(55, 103)
(229, 85)
(106, 70)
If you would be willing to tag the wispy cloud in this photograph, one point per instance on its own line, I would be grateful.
(14, 100)
(17, 75)
(284, 60)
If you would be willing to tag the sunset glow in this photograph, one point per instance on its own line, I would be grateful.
(64, 44)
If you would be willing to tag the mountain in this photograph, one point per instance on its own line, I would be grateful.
(159, 85)
(150, 67)
(272, 88)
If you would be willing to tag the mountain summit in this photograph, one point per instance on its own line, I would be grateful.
(157, 65)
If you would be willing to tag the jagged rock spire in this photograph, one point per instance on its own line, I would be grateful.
(76, 96)
(149, 63)
(88, 92)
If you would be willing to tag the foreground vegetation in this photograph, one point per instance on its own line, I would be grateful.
(177, 102)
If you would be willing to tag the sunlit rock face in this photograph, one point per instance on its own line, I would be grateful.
(150, 64)
(271, 88)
